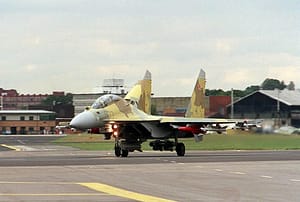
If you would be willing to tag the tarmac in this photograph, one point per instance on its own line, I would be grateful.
(40, 171)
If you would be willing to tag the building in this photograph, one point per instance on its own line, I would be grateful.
(27, 122)
(170, 106)
(280, 106)
(12, 100)
(215, 106)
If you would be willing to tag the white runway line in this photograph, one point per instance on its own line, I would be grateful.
(266, 176)
(238, 173)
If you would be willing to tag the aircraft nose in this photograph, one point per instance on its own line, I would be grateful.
(84, 120)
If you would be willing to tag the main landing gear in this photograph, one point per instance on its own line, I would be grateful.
(123, 146)
(167, 145)
(180, 149)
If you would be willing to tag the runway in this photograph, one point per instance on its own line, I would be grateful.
(62, 156)
(45, 172)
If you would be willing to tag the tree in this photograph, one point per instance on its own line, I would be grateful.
(268, 84)
(52, 100)
(271, 84)
(217, 92)
(291, 86)
(251, 89)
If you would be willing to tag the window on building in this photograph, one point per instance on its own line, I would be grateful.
(31, 130)
(31, 118)
(3, 130)
(22, 118)
(47, 117)
(23, 130)
(42, 130)
(3, 118)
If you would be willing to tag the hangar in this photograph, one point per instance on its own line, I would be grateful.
(280, 106)
(27, 122)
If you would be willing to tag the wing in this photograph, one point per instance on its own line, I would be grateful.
(122, 112)
(125, 112)
(165, 119)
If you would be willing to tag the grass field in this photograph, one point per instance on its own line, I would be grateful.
(210, 142)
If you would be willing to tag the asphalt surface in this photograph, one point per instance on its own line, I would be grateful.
(40, 171)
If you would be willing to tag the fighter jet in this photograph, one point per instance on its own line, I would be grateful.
(129, 122)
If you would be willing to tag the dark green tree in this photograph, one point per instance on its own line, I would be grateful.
(271, 84)
(215, 92)
(251, 89)
(291, 86)
(52, 100)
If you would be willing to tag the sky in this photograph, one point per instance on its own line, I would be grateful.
(72, 45)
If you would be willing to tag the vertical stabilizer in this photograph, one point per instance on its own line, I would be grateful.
(196, 105)
(141, 93)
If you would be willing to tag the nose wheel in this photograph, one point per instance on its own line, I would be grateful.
(120, 152)
(117, 151)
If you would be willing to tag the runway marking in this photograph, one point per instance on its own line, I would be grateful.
(238, 173)
(219, 170)
(294, 180)
(123, 193)
(266, 176)
(10, 147)
(48, 194)
(58, 194)
(20, 182)
(20, 141)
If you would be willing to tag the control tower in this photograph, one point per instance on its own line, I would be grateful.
(113, 86)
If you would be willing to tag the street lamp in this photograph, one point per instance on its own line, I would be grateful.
(232, 100)
(278, 108)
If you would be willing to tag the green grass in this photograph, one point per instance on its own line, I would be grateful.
(210, 142)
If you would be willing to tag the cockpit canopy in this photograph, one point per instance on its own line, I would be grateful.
(105, 100)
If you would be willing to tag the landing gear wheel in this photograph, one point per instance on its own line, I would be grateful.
(180, 149)
(117, 151)
(124, 153)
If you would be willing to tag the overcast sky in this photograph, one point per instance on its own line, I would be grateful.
(72, 45)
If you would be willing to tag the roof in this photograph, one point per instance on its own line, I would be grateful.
(25, 112)
(288, 97)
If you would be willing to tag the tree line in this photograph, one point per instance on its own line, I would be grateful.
(268, 84)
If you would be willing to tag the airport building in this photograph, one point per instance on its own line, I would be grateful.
(215, 106)
(12, 100)
(27, 122)
(282, 107)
